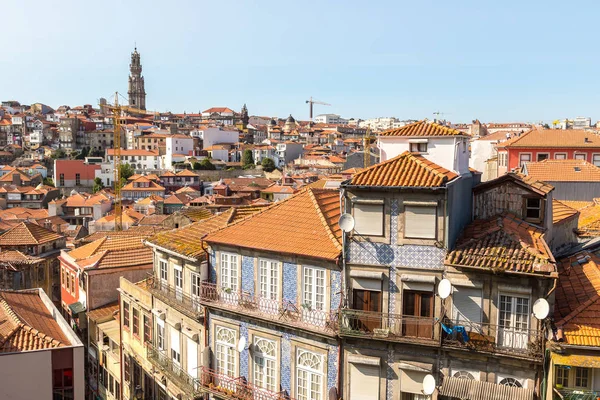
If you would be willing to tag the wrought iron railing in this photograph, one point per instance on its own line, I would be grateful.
(173, 370)
(175, 297)
(394, 327)
(576, 394)
(286, 312)
(228, 387)
(512, 340)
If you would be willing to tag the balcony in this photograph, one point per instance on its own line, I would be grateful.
(176, 298)
(575, 394)
(495, 339)
(225, 387)
(389, 327)
(281, 312)
(173, 371)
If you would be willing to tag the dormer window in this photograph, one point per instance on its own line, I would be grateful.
(419, 147)
(533, 209)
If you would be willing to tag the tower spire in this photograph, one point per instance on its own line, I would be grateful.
(136, 92)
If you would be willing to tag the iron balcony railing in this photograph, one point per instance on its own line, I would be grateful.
(226, 387)
(175, 297)
(280, 311)
(519, 341)
(384, 326)
(173, 370)
(575, 394)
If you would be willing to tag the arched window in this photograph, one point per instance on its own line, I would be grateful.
(464, 375)
(265, 363)
(512, 382)
(225, 350)
(309, 380)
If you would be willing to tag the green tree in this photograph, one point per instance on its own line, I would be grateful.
(48, 182)
(126, 171)
(197, 166)
(59, 153)
(98, 185)
(268, 164)
(247, 159)
(206, 165)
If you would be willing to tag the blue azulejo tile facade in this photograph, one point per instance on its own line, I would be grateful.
(248, 274)
(336, 289)
(287, 357)
(290, 279)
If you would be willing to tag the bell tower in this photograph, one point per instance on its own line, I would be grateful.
(136, 91)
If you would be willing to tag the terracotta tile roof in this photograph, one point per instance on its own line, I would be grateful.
(104, 313)
(577, 205)
(304, 224)
(423, 128)
(187, 241)
(154, 219)
(554, 138)
(152, 187)
(562, 212)
(563, 171)
(589, 220)
(279, 189)
(28, 233)
(112, 252)
(143, 231)
(25, 178)
(503, 243)
(577, 301)
(26, 324)
(405, 170)
(15, 257)
(196, 213)
(536, 186)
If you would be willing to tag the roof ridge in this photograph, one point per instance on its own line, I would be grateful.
(421, 161)
(323, 219)
(578, 310)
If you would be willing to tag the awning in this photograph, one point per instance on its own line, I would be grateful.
(76, 308)
(111, 329)
(470, 389)
(576, 360)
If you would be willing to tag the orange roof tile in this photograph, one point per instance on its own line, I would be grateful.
(534, 185)
(589, 220)
(28, 233)
(562, 212)
(26, 324)
(406, 170)
(577, 299)
(503, 243)
(423, 128)
(554, 138)
(577, 205)
(112, 252)
(105, 312)
(304, 224)
(563, 171)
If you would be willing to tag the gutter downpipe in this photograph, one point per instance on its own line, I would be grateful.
(343, 294)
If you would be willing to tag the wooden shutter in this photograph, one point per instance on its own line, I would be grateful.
(364, 382)
(368, 218)
(192, 357)
(420, 222)
(466, 304)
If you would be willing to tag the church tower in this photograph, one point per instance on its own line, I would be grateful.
(136, 92)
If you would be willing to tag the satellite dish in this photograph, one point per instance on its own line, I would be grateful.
(428, 384)
(346, 222)
(541, 308)
(444, 288)
(242, 344)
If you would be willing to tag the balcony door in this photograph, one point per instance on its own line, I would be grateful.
(268, 276)
(369, 301)
(178, 282)
(417, 314)
(513, 322)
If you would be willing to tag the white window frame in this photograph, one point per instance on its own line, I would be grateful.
(264, 369)
(160, 335)
(580, 156)
(311, 298)
(596, 162)
(175, 353)
(560, 154)
(521, 162)
(522, 382)
(225, 347)
(229, 269)
(537, 156)
(268, 279)
(178, 281)
(517, 336)
(311, 375)
(502, 157)
(163, 268)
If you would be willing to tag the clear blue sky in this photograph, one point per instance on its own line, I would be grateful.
(501, 61)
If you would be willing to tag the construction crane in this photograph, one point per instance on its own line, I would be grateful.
(116, 110)
(367, 148)
(313, 101)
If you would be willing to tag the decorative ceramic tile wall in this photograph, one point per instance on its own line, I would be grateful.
(248, 274)
(290, 278)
